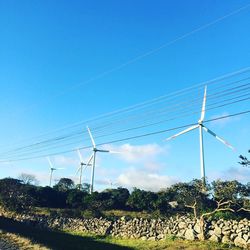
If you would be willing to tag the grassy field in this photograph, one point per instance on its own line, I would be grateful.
(26, 237)
(116, 213)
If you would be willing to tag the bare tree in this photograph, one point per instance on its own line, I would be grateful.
(221, 206)
(244, 160)
(29, 179)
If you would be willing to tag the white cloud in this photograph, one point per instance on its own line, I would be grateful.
(223, 122)
(145, 180)
(62, 160)
(144, 163)
(145, 155)
(241, 174)
(238, 173)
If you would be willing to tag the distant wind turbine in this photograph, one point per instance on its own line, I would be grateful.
(93, 158)
(201, 127)
(52, 169)
(111, 183)
(81, 167)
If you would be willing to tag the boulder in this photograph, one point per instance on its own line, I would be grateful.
(190, 234)
(233, 236)
(239, 242)
(197, 228)
(182, 225)
(152, 238)
(225, 239)
(214, 238)
(217, 231)
(245, 237)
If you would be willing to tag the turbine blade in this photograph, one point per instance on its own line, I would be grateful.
(50, 163)
(183, 132)
(90, 159)
(115, 152)
(77, 171)
(91, 137)
(79, 154)
(218, 138)
(203, 105)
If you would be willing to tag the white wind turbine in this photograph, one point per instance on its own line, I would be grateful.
(81, 167)
(201, 127)
(52, 169)
(93, 158)
(111, 183)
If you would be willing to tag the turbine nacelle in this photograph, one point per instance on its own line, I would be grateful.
(101, 150)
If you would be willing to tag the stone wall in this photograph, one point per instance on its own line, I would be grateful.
(225, 231)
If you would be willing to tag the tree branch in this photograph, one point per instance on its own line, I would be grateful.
(219, 208)
(243, 209)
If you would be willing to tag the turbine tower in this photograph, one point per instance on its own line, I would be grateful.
(93, 159)
(200, 126)
(81, 167)
(52, 169)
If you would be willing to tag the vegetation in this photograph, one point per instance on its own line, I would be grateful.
(29, 179)
(244, 160)
(180, 198)
(228, 199)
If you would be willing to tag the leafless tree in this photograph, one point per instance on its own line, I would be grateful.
(29, 179)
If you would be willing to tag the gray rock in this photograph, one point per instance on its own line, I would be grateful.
(152, 238)
(218, 231)
(181, 233)
(226, 232)
(189, 234)
(197, 228)
(225, 239)
(160, 236)
(239, 242)
(233, 236)
(214, 238)
(245, 237)
(182, 225)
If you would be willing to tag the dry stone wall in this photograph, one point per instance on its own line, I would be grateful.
(226, 231)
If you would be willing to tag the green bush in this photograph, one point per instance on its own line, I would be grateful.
(87, 214)
(226, 215)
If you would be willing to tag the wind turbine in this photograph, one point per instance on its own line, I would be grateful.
(52, 169)
(111, 183)
(200, 126)
(81, 167)
(93, 158)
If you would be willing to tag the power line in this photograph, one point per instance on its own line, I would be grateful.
(52, 143)
(128, 138)
(153, 51)
(157, 99)
(185, 114)
(59, 138)
(150, 52)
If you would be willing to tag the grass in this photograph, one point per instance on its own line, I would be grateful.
(11, 239)
(55, 239)
(26, 237)
(107, 213)
(132, 214)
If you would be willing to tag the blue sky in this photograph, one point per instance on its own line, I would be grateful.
(54, 54)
